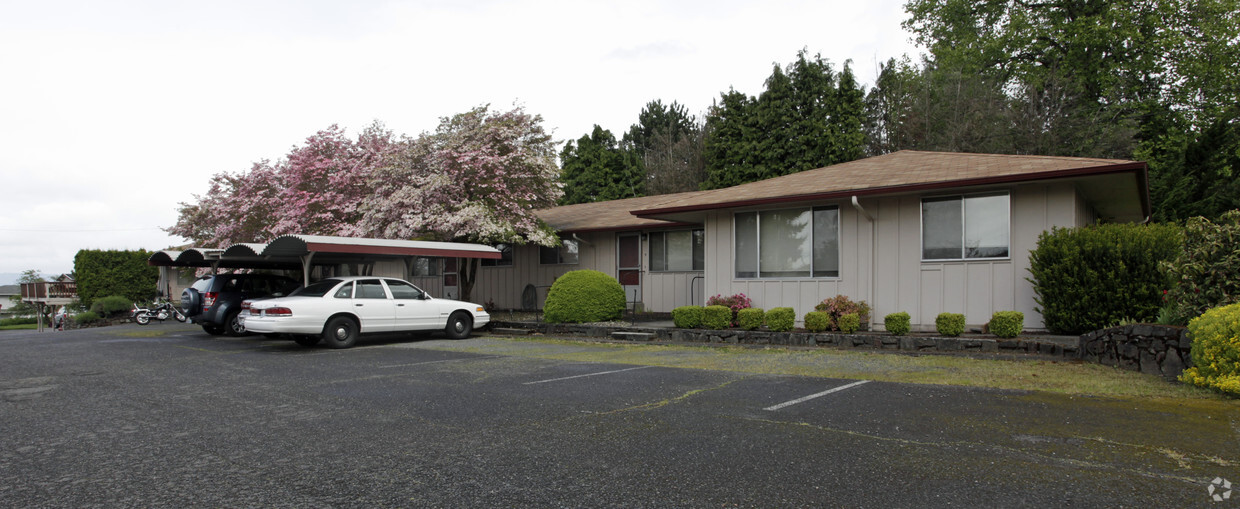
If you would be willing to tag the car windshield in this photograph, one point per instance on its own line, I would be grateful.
(318, 289)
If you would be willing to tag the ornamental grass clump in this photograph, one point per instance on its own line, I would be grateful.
(850, 323)
(781, 319)
(1007, 324)
(583, 296)
(817, 321)
(1216, 350)
(716, 317)
(949, 324)
(749, 318)
(687, 317)
(898, 323)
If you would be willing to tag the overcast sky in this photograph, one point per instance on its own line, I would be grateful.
(111, 113)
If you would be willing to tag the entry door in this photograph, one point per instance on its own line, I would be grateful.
(629, 265)
(449, 279)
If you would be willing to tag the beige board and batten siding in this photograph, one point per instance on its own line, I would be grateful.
(881, 262)
(503, 285)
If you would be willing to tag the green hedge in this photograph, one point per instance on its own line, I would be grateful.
(817, 321)
(1091, 277)
(849, 323)
(18, 321)
(949, 324)
(86, 317)
(781, 319)
(111, 305)
(124, 273)
(687, 317)
(582, 296)
(898, 323)
(716, 317)
(1216, 350)
(1007, 324)
(1206, 274)
(749, 318)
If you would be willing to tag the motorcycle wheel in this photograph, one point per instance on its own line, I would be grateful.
(179, 316)
(142, 318)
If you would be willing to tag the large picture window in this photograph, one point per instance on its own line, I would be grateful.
(965, 227)
(677, 251)
(788, 243)
(424, 266)
(565, 253)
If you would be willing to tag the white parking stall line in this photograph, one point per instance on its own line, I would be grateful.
(590, 374)
(812, 396)
(442, 360)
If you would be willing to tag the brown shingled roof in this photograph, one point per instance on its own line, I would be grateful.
(906, 170)
(903, 171)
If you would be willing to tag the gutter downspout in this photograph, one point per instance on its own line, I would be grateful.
(873, 254)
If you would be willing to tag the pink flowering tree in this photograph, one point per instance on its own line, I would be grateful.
(477, 178)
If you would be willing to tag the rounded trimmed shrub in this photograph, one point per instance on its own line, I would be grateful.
(841, 305)
(1007, 324)
(111, 305)
(687, 317)
(898, 323)
(1216, 350)
(86, 317)
(817, 321)
(781, 319)
(749, 318)
(716, 317)
(849, 323)
(949, 324)
(582, 296)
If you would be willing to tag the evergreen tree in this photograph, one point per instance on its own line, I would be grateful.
(595, 168)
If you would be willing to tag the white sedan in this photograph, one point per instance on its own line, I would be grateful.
(337, 310)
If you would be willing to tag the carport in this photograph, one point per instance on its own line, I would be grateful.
(291, 252)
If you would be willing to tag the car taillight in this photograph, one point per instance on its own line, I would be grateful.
(245, 305)
(278, 312)
(208, 300)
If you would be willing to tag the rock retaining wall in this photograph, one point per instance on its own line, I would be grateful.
(871, 340)
(1150, 349)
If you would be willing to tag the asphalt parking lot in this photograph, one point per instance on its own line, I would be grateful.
(167, 416)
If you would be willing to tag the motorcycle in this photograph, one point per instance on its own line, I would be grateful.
(161, 312)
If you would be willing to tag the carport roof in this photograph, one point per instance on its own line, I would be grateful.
(287, 252)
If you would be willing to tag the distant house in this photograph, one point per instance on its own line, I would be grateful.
(7, 292)
(921, 232)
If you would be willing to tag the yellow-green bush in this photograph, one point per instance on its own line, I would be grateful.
(1007, 324)
(1216, 350)
(817, 321)
(687, 317)
(849, 323)
(716, 317)
(898, 323)
(749, 318)
(582, 296)
(781, 319)
(950, 324)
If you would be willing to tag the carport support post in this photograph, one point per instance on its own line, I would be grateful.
(305, 268)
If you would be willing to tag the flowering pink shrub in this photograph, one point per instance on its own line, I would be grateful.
(841, 305)
(735, 303)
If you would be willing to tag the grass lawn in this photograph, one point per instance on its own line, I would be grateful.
(27, 326)
(1056, 376)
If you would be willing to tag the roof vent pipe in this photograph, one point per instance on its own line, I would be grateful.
(857, 205)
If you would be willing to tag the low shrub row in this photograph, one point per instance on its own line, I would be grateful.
(1005, 324)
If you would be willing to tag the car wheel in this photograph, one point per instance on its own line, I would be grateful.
(191, 302)
(213, 329)
(459, 325)
(233, 326)
(307, 340)
(340, 332)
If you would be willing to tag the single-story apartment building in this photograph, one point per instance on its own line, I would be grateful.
(914, 231)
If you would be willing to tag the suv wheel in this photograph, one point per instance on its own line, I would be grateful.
(233, 326)
(191, 302)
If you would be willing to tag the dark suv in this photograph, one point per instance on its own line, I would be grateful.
(215, 301)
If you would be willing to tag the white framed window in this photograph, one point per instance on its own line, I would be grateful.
(677, 251)
(425, 266)
(966, 227)
(789, 243)
(505, 260)
(564, 254)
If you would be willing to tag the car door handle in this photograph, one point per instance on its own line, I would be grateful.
(358, 305)
(400, 305)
